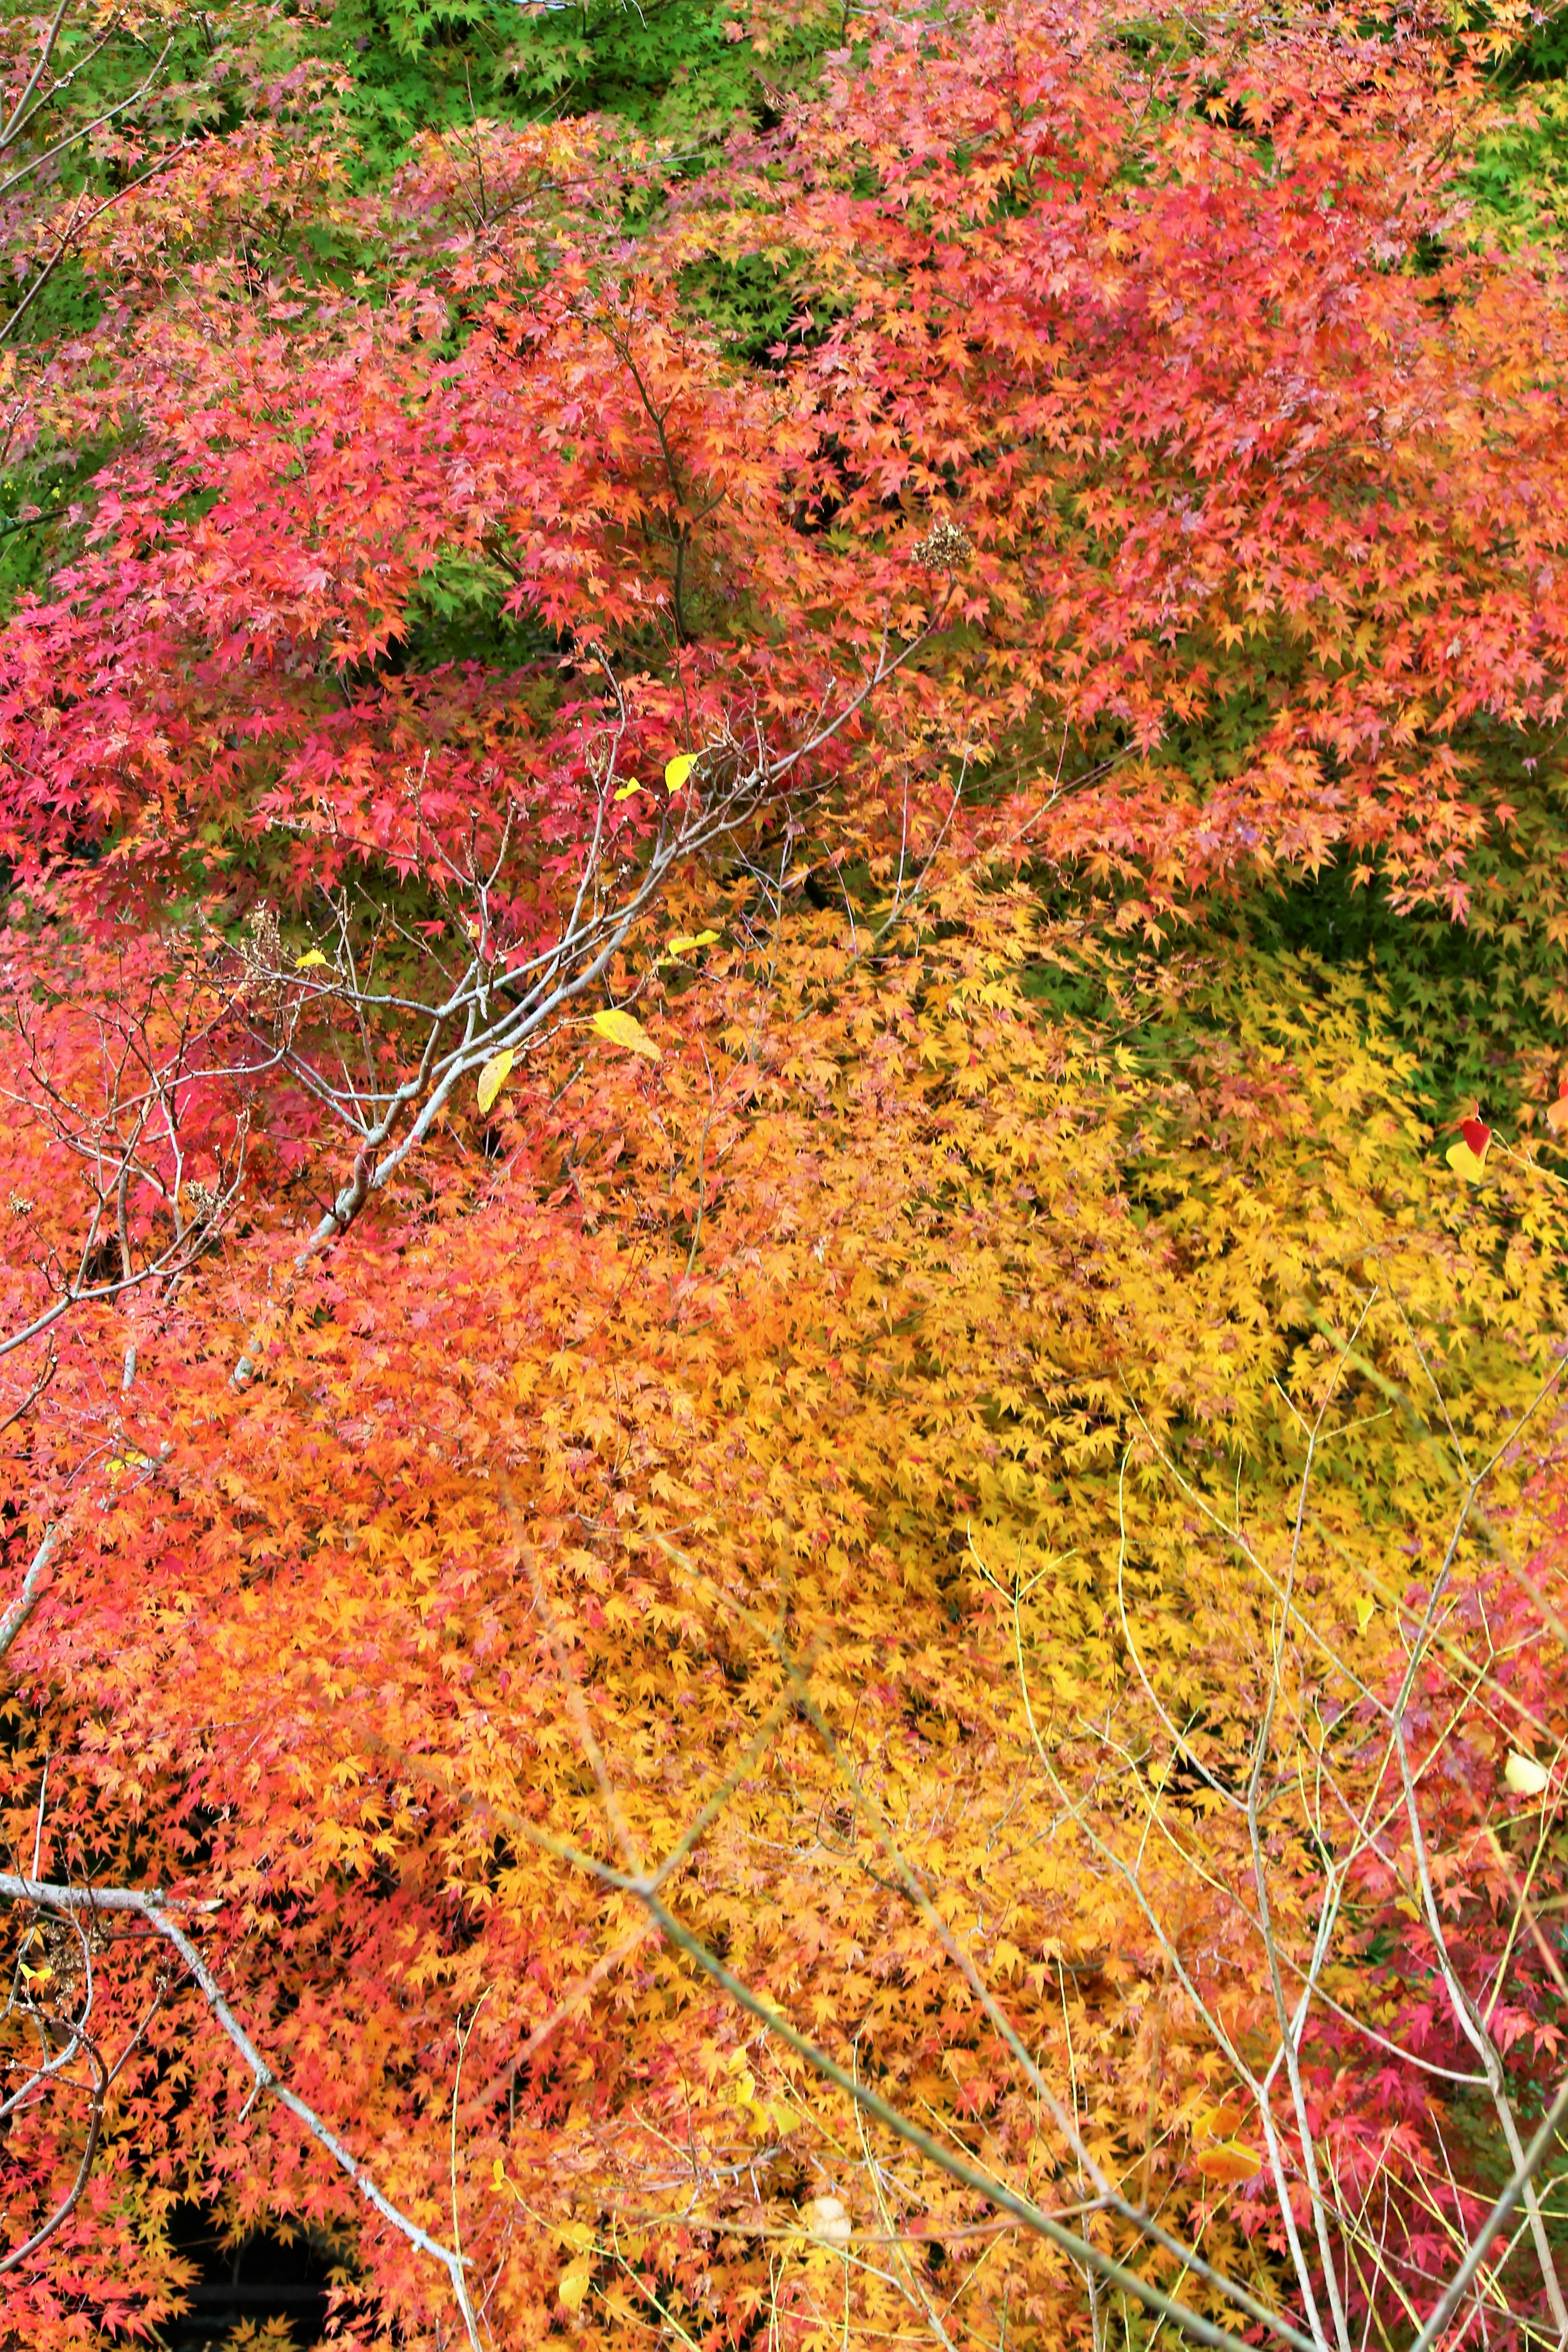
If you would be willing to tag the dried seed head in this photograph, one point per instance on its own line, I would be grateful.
(63, 1946)
(945, 546)
(261, 954)
(201, 1203)
(261, 951)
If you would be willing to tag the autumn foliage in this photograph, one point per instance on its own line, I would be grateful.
(784, 1559)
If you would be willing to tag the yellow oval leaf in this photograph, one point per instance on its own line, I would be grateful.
(1464, 1162)
(679, 771)
(575, 2280)
(494, 1075)
(1230, 2163)
(1524, 1776)
(311, 957)
(623, 1029)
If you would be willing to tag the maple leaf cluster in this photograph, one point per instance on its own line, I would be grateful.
(768, 1571)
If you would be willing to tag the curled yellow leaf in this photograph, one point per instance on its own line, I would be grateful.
(494, 1075)
(691, 940)
(311, 957)
(625, 1029)
(627, 791)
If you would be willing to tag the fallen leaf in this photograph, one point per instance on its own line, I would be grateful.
(623, 1029)
(1229, 2163)
(494, 1075)
(1524, 1776)
(1464, 1162)
(575, 2280)
(827, 2220)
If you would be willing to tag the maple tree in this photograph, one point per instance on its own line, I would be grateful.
(775, 1568)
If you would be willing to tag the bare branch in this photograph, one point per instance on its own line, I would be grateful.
(153, 1905)
(26, 1601)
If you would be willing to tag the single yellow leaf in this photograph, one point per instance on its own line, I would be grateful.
(1524, 1776)
(311, 957)
(625, 1029)
(1229, 2163)
(494, 1075)
(627, 791)
(691, 940)
(575, 2280)
(1465, 1163)
(678, 772)
(1366, 1610)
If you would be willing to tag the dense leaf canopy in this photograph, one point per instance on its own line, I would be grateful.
(783, 809)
